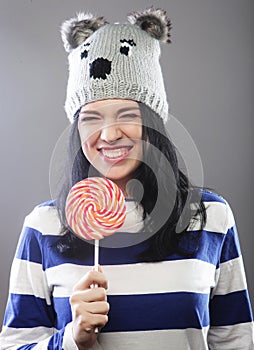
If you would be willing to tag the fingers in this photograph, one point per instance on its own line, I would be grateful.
(97, 307)
(89, 295)
(101, 308)
(92, 278)
(89, 309)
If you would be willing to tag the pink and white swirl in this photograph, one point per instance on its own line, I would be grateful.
(95, 207)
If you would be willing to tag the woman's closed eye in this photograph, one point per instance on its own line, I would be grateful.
(129, 116)
(89, 118)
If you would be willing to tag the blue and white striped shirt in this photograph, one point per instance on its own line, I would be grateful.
(196, 303)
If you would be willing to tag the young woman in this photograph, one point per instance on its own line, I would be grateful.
(175, 278)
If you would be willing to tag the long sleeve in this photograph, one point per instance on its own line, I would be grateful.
(30, 320)
(29, 317)
(231, 320)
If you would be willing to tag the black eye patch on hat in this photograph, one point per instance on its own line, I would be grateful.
(126, 46)
(84, 53)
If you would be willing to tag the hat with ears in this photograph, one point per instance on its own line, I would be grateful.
(116, 60)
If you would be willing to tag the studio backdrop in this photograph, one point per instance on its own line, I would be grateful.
(208, 72)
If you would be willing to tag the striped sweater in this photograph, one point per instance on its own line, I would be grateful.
(196, 303)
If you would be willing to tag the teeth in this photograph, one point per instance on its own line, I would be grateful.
(114, 153)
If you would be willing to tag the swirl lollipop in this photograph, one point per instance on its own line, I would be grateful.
(95, 208)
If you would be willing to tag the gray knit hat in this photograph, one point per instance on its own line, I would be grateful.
(116, 60)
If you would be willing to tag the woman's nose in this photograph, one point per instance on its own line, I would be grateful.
(111, 132)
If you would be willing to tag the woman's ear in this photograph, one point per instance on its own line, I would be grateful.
(154, 21)
(76, 30)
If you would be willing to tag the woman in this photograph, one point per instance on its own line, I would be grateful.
(175, 278)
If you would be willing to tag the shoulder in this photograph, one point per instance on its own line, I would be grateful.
(44, 218)
(210, 196)
(218, 212)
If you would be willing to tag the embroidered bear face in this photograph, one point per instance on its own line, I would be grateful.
(100, 58)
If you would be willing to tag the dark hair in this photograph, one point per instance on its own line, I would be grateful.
(159, 172)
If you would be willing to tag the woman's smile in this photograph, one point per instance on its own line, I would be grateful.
(115, 154)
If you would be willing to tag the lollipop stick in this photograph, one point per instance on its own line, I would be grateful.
(96, 255)
(96, 266)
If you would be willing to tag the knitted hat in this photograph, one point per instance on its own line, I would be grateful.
(116, 60)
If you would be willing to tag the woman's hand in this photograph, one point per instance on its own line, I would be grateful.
(89, 308)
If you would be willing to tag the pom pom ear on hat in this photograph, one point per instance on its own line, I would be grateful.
(154, 21)
(76, 30)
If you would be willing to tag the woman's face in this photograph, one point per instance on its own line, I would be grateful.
(111, 137)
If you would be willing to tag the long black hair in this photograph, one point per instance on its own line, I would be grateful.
(170, 202)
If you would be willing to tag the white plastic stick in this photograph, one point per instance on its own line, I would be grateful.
(96, 266)
(96, 255)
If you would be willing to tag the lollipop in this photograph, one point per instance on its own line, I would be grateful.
(95, 208)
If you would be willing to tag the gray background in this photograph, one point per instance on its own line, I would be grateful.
(208, 72)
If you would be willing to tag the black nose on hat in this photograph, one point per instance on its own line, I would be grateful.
(100, 68)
